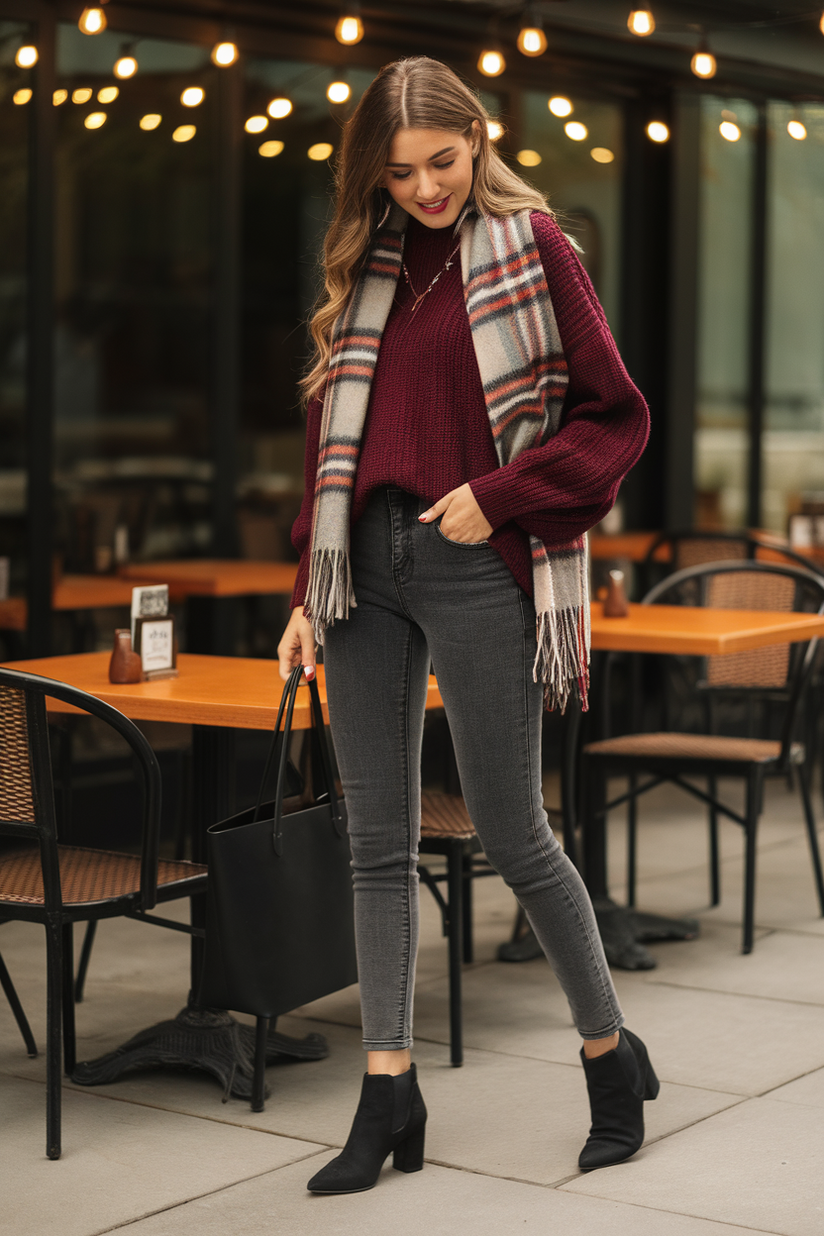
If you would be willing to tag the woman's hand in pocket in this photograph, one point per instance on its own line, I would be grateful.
(461, 517)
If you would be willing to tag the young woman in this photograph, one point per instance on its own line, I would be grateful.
(469, 419)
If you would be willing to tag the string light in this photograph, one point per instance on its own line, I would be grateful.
(108, 94)
(729, 131)
(21, 96)
(26, 57)
(703, 63)
(256, 124)
(491, 63)
(92, 21)
(125, 67)
(95, 120)
(531, 37)
(657, 131)
(192, 96)
(559, 106)
(495, 130)
(59, 97)
(349, 29)
(81, 95)
(641, 20)
(821, 24)
(576, 131)
(528, 158)
(279, 108)
(184, 133)
(320, 151)
(150, 121)
(797, 130)
(338, 92)
(270, 150)
(602, 155)
(224, 54)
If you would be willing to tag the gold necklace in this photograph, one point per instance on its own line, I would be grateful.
(418, 298)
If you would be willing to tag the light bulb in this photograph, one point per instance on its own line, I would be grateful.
(821, 24)
(491, 63)
(279, 108)
(26, 57)
(256, 124)
(319, 152)
(703, 63)
(92, 21)
(559, 106)
(657, 131)
(21, 96)
(184, 133)
(270, 150)
(531, 41)
(495, 130)
(81, 95)
(729, 131)
(108, 94)
(125, 67)
(641, 21)
(602, 155)
(192, 96)
(338, 92)
(59, 97)
(577, 132)
(95, 120)
(150, 121)
(797, 130)
(224, 54)
(528, 158)
(349, 29)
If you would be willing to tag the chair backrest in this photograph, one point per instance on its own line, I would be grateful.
(692, 547)
(752, 585)
(26, 788)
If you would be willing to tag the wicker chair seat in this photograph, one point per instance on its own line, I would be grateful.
(688, 747)
(86, 876)
(445, 816)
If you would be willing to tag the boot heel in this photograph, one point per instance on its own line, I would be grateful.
(651, 1083)
(408, 1155)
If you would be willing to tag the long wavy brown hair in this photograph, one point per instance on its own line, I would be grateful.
(417, 93)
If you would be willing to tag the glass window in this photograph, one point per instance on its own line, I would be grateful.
(722, 443)
(794, 421)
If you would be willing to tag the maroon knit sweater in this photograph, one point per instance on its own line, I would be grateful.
(427, 428)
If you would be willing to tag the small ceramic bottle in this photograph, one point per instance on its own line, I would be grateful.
(616, 604)
(125, 665)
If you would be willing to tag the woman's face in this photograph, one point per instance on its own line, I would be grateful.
(429, 174)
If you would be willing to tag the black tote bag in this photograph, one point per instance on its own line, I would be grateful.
(280, 922)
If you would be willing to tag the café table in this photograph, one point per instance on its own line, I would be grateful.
(73, 592)
(634, 546)
(668, 629)
(216, 696)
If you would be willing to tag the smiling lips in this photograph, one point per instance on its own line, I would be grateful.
(435, 208)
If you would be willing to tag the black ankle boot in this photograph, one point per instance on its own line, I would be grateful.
(618, 1082)
(391, 1116)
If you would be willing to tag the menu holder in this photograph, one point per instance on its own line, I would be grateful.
(156, 646)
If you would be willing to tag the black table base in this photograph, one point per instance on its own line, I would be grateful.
(209, 1040)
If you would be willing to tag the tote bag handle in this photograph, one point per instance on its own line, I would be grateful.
(280, 741)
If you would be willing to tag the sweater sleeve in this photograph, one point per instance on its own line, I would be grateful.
(302, 527)
(562, 489)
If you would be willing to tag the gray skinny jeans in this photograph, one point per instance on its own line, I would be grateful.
(421, 596)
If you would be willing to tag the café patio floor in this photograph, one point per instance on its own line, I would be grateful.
(734, 1142)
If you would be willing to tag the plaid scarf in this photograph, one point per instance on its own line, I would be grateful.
(524, 377)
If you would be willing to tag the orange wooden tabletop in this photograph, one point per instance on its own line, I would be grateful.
(73, 592)
(215, 577)
(698, 631)
(631, 545)
(240, 692)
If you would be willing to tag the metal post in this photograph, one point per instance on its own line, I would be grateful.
(226, 373)
(40, 341)
(757, 323)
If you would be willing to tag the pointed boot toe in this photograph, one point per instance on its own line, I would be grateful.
(618, 1083)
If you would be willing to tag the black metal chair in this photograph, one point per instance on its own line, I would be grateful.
(447, 829)
(17, 1009)
(57, 885)
(775, 676)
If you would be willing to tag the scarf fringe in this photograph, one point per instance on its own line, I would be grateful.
(331, 594)
(562, 660)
